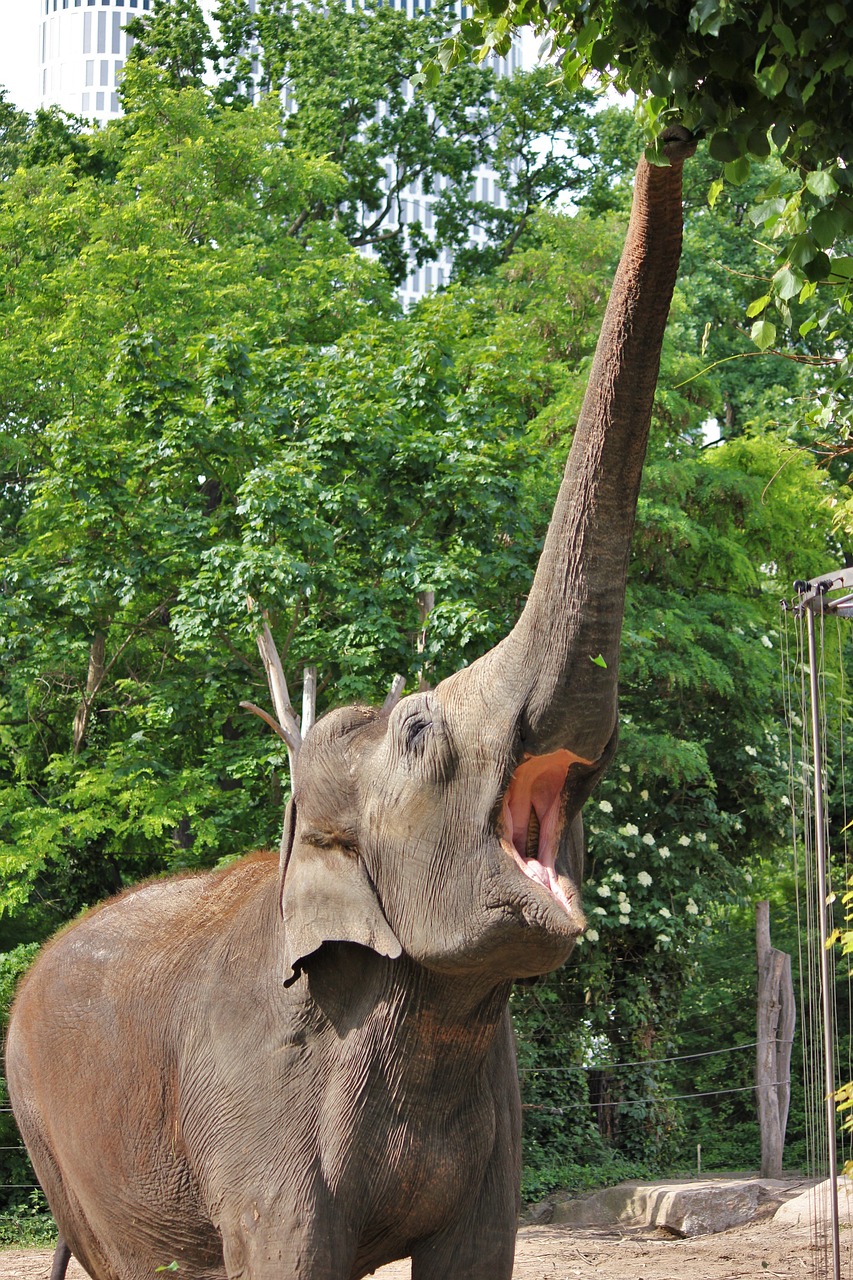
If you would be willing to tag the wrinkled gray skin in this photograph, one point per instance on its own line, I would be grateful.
(309, 1076)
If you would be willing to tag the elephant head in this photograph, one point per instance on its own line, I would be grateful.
(449, 828)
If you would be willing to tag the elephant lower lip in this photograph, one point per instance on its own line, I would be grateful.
(545, 876)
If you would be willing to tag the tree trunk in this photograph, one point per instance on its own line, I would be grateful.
(97, 661)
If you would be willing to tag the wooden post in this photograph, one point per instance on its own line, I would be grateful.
(775, 1034)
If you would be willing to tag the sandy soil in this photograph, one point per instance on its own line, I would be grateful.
(563, 1253)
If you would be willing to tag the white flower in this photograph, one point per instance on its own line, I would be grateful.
(592, 934)
(663, 851)
(598, 911)
(644, 878)
(644, 795)
(626, 768)
(624, 919)
(648, 839)
(617, 877)
(663, 937)
(665, 912)
(767, 642)
(785, 800)
(628, 854)
(692, 909)
(748, 877)
(625, 906)
(605, 806)
(701, 837)
(603, 891)
(629, 830)
(684, 840)
(750, 751)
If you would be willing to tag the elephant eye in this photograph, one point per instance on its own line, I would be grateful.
(414, 730)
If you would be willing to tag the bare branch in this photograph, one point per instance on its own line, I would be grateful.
(309, 698)
(278, 690)
(426, 603)
(398, 684)
(268, 719)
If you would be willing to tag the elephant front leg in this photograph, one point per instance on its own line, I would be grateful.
(261, 1244)
(469, 1252)
(480, 1243)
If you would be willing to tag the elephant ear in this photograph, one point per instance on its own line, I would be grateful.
(327, 896)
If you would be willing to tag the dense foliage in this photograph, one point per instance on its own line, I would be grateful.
(207, 395)
(760, 81)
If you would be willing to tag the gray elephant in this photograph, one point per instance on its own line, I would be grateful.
(303, 1067)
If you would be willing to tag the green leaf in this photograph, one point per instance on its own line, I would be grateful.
(772, 80)
(757, 306)
(787, 283)
(724, 146)
(821, 183)
(841, 268)
(763, 334)
(599, 661)
(828, 225)
(738, 171)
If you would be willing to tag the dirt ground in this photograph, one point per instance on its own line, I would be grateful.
(563, 1253)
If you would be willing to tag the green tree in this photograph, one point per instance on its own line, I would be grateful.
(176, 36)
(760, 81)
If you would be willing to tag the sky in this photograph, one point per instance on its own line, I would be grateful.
(18, 46)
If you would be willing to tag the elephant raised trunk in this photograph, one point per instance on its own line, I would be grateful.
(556, 672)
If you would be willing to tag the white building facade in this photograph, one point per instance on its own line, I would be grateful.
(82, 51)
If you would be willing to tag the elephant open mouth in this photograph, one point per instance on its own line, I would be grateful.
(530, 818)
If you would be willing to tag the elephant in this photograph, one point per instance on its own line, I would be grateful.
(302, 1065)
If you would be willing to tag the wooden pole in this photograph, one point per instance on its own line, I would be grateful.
(775, 1033)
(821, 855)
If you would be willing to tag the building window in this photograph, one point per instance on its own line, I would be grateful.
(105, 72)
(114, 103)
(119, 69)
(87, 33)
(43, 41)
(116, 32)
(90, 71)
(102, 33)
(85, 102)
(99, 102)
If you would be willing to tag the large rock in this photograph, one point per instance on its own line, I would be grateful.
(687, 1208)
(815, 1205)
